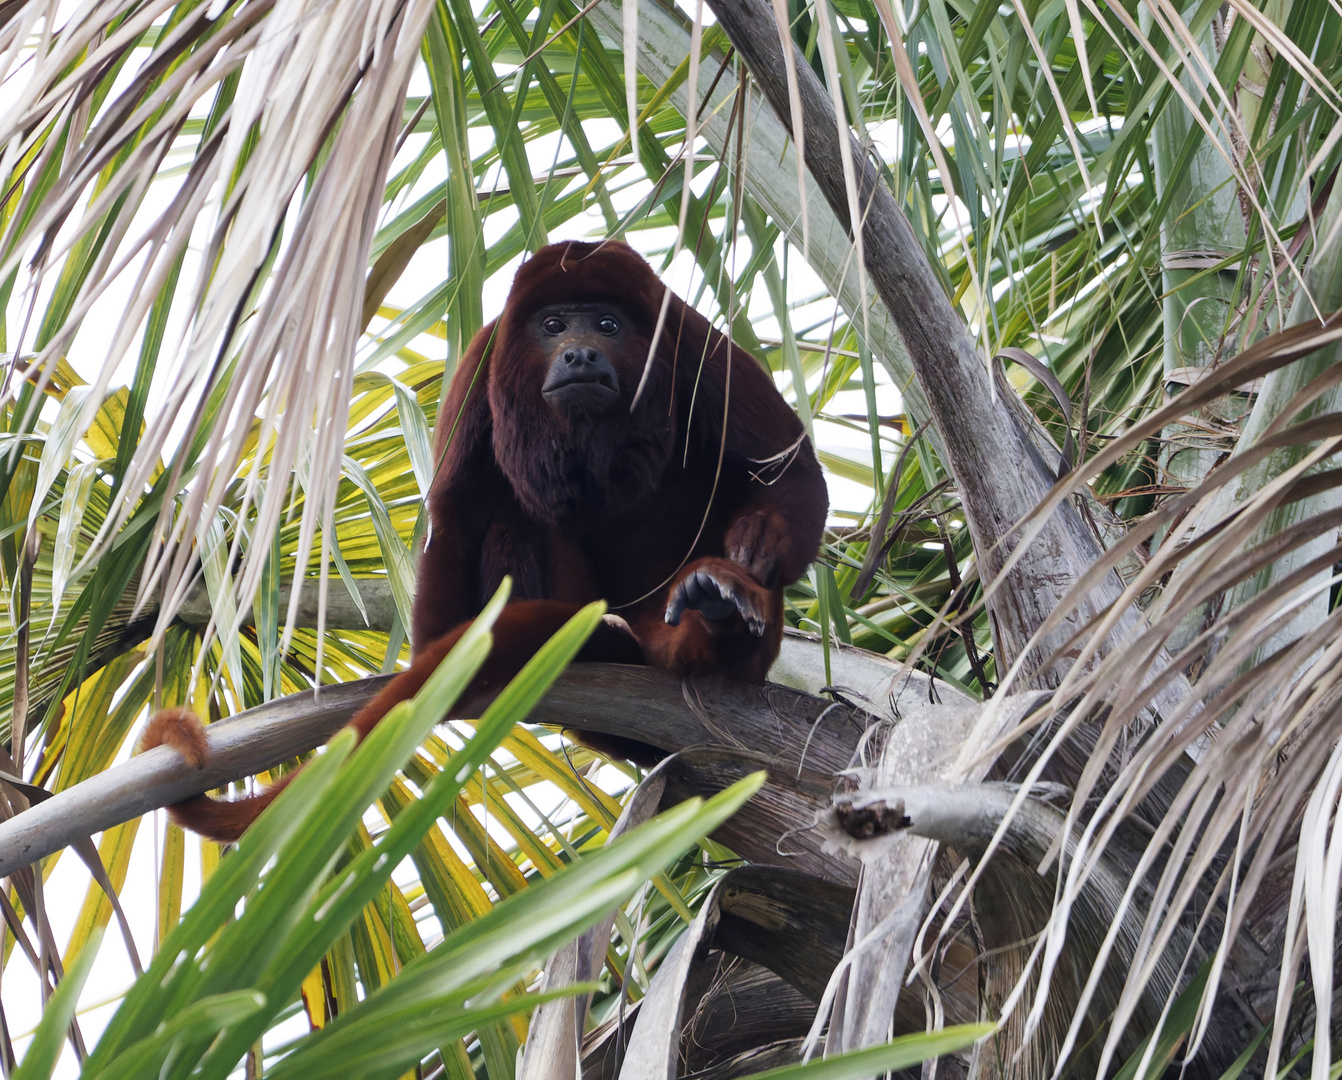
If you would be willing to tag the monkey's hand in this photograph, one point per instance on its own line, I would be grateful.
(719, 590)
(756, 541)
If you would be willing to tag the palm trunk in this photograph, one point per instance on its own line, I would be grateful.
(1202, 229)
(999, 474)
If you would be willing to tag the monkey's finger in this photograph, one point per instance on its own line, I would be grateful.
(676, 607)
(752, 615)
(758, 563)
(713, 599)
(703, 593)
(688, 595)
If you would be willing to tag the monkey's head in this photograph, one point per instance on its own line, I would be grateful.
(569, 354)
(579, 322)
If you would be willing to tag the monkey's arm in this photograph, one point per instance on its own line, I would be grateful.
(465, 487)
(769, 467)
(726, 614)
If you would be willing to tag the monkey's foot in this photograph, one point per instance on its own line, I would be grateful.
(716, 596)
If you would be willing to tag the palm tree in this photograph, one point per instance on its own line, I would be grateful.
(1098, 761)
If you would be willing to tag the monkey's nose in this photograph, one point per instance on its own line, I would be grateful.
(580, 356)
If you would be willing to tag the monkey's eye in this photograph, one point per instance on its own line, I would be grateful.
(554, 326)
(608, 324)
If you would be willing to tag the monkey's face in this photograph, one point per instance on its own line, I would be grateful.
(581, 347)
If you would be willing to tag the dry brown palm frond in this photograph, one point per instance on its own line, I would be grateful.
(1261, 725)
(315, 97)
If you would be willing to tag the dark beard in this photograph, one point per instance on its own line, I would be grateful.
(586, 468)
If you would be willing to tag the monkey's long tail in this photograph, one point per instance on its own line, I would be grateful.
(221, 820)
(520, 630)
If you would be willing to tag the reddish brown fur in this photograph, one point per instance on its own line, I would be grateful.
(179, 729)
(604, 507)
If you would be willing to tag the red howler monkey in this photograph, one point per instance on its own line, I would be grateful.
(683, 491)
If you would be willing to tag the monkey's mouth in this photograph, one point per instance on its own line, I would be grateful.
(595, 380)
(587, 391)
